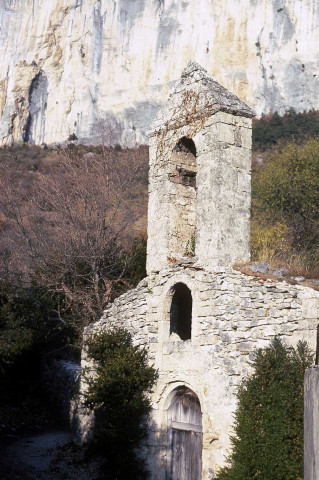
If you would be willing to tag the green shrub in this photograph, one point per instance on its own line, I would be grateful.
(269, 420)
(268, 242)
(29, 325)
(20, 325)
(287, 189)
(135, 262)
(119, 396)
(271, 129)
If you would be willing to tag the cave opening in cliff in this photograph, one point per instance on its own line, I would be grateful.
(38, 99)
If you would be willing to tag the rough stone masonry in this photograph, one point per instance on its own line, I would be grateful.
(199, 315)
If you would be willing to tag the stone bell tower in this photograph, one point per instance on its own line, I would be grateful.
(200, 319)
(199, 181)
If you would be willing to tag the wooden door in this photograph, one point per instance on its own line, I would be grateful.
(185, 437)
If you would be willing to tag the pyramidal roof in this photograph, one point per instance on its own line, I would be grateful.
(194, 96)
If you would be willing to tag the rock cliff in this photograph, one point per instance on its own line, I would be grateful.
(68, 64)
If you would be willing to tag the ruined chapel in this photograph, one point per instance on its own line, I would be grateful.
(199, 315)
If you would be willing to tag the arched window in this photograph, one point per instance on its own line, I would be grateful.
(182, 171)
(186, 145)
(181, 312)
(185, 438)
(185, 158)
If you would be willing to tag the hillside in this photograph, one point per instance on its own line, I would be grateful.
(27, 170)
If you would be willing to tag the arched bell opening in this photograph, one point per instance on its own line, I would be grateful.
(185, 436)
(181, 312)
(182, 191)
(187, 146)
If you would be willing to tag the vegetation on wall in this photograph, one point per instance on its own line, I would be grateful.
(268, 441)
(118, 394)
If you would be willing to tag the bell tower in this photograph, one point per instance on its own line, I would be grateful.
(199, 179)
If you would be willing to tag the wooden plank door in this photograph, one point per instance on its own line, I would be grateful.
(185, 437)
(186, 455)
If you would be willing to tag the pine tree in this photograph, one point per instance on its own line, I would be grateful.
(269, 420)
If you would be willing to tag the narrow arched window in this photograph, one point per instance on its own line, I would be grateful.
(181, 312)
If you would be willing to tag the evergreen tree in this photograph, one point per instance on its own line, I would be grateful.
(119, 396)
(269, 420)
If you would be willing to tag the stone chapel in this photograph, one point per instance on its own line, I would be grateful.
(200, 316)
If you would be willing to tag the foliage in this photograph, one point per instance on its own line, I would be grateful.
(68, 219)
(269, 241)
(119, 396)
(273, 129)
(190, 246)
(70, 226)
(135, 261)
(29, 324)
(269, 420)
(286, 190)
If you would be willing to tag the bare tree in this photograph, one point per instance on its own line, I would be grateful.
(71, 231)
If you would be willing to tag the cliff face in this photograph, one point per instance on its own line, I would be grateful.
(68, 64)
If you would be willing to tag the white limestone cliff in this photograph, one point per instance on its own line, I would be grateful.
(66, 64)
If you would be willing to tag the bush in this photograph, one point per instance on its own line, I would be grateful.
(269, 420)
(29, 325)
(274, 129)
(268, 241)
(20, 325)
(286, 190)
(119, 396)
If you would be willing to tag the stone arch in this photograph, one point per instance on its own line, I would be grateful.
(182, 193)
(181, 311)
(184, 435)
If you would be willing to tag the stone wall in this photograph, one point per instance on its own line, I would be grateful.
(233, 314)
(61, 381)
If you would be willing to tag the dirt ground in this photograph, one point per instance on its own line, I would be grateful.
(49, 455)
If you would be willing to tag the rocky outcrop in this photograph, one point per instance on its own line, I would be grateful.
(66, 64)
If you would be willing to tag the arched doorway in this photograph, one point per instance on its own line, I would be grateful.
(185, 437)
